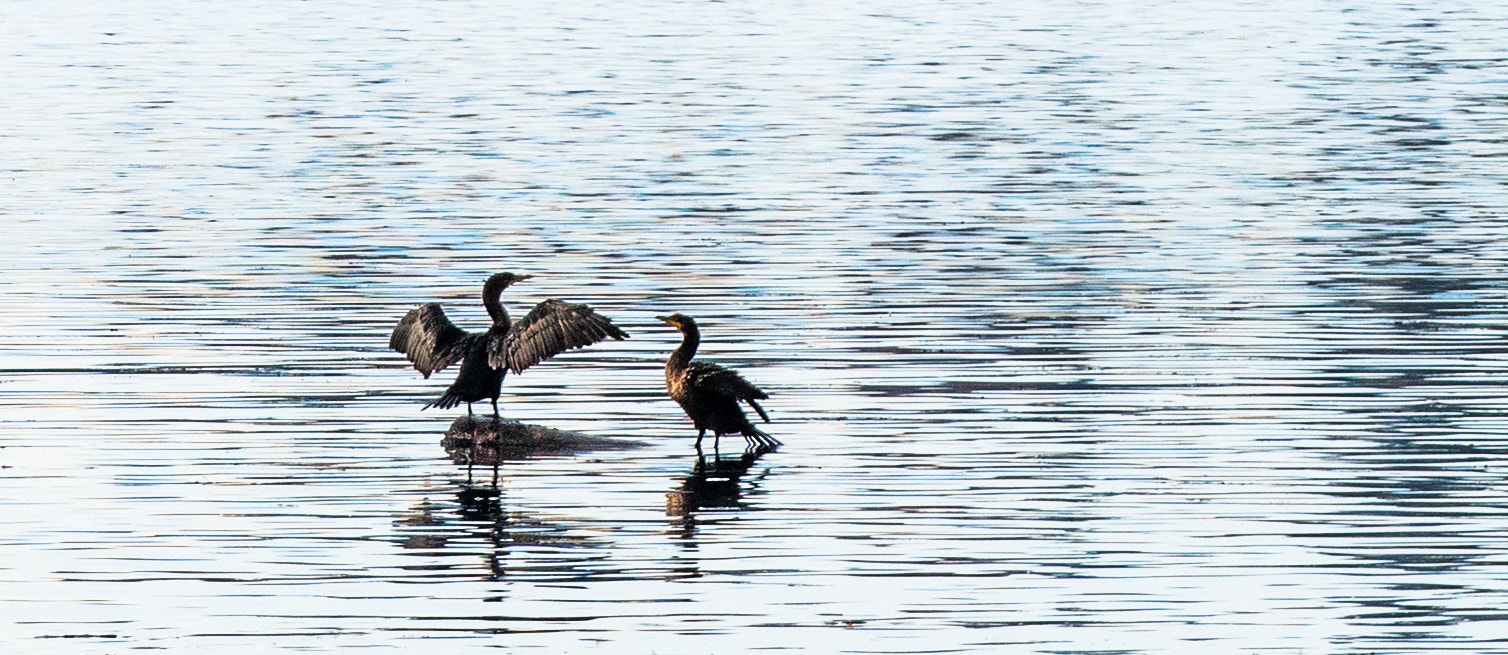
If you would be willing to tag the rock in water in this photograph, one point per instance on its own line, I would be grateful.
(483, 441)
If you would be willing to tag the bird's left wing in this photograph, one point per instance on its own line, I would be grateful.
(711, 378)
(553, 327)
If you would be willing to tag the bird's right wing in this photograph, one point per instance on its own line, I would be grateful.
(428, 339)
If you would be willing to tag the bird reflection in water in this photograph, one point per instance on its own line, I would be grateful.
(450, 535)
(714, 482)
(440, 529)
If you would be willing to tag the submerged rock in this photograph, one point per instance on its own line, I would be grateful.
(482, 441)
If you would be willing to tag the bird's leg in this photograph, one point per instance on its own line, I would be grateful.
(497, 442)
(699, 434)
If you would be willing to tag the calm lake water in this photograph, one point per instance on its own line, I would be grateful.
(1090, 327)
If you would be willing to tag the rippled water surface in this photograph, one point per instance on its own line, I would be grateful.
(1090, 327)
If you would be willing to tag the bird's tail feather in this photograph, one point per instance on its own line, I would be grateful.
(760, 437)
(447, 401)
(759, 409)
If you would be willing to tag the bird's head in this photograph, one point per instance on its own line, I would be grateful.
(681, 321)
(493, 288)
(504, 280)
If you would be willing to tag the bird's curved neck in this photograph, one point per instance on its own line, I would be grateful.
(494, 304)
(690, 339)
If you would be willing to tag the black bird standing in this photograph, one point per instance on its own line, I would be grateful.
(432, 342)
(709, 393)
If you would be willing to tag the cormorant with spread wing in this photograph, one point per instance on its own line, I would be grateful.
(429, 340)
(709, 393)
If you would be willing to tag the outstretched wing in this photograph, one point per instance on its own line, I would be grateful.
(710, 378)
(553, 327)
(429, 340)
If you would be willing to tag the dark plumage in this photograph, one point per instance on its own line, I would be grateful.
(709, 393)
(428, 339)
